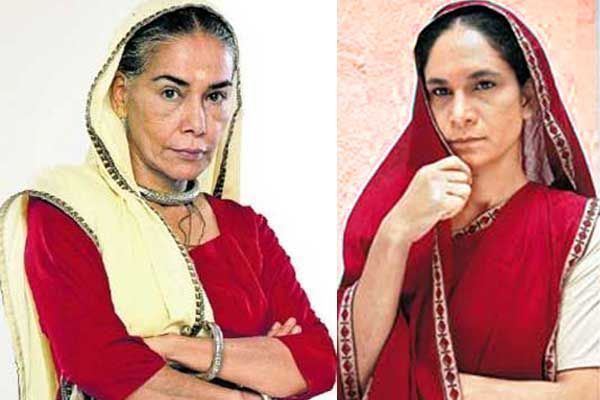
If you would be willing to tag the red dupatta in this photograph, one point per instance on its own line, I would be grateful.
(506, 269)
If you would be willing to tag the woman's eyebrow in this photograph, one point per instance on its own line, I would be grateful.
(220, 85)
(173, 79)
(436, 81)
(484, 73)
(181, 82)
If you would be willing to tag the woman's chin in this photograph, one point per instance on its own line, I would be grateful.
(185, 170)
(187, 174)
(474, 161)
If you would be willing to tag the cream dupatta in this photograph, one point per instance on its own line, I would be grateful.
(153, 282)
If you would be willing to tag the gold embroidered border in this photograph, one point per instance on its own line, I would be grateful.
(8, 306)
(99, 146)
(480, 223)
(441, 326)
(557, 136)
(112, 170)
(561, 144)
(346, 348)
(578, 247)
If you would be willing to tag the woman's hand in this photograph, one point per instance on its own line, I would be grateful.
(438, 191)
(173, 347)
(289, 327)
(163, 345)
(248, 396)
(476, 388)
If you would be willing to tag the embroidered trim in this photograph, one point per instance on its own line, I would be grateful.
(480, 223)
(553, 130)
(65, 392)
(110, 166)
(346, 348)
(100, 147)
(578, 248)
(8, 307)
(67, 389)
(67, 209)
(443, 337)
(198, 292)
(105, 156)
(75, 216)
(561, 144)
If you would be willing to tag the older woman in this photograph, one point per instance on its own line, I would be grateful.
(474, 241)
(121, 278)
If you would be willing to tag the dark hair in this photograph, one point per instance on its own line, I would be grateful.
(170, 26)
(493, 26)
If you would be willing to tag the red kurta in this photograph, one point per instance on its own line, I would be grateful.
(246, 274)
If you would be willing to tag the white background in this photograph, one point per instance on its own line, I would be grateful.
(50, 51)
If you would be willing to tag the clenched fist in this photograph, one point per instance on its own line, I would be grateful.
(438, 191)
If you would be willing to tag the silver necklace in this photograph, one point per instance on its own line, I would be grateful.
(172, 199)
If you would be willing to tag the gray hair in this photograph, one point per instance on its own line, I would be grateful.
(171, 26)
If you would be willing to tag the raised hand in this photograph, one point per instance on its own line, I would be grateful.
(438, 191)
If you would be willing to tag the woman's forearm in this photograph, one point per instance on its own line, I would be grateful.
(582, 384)
(378, 289)
(168, 384)
(261, 363)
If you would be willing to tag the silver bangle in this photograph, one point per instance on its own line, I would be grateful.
(218, 345)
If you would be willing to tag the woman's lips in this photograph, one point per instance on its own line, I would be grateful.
(190, 154)
(466, 142)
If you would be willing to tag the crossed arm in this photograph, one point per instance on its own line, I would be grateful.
(380, 286)
(577, 384)
(108, 363)
(263, 364)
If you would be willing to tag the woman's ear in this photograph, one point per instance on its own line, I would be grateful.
(118, 94)
(529, 104)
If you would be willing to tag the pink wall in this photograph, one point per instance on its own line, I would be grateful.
(376, 75)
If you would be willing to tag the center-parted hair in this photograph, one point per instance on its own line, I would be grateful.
(171, 26)
(492, 25)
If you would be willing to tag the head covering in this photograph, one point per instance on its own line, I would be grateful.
(154, 286)
(552, 156)
(107, 132)
(552, 153)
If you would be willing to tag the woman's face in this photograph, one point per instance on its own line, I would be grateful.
(475, 98)
(178, 108)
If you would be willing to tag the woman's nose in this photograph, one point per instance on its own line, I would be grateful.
(194, 119)
(461, 112)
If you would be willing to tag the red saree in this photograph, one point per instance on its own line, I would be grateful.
(483, 300)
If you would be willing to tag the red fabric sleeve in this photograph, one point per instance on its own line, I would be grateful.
(312, 349)
(89, 343)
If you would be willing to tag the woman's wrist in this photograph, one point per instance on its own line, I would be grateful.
(390, 235)
(218, 345)
(194, 353)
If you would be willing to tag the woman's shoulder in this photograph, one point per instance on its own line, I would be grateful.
(567, 210)
(562, 201)
(72, 186)
(46, 217)
(230, 206)
(235, 215)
